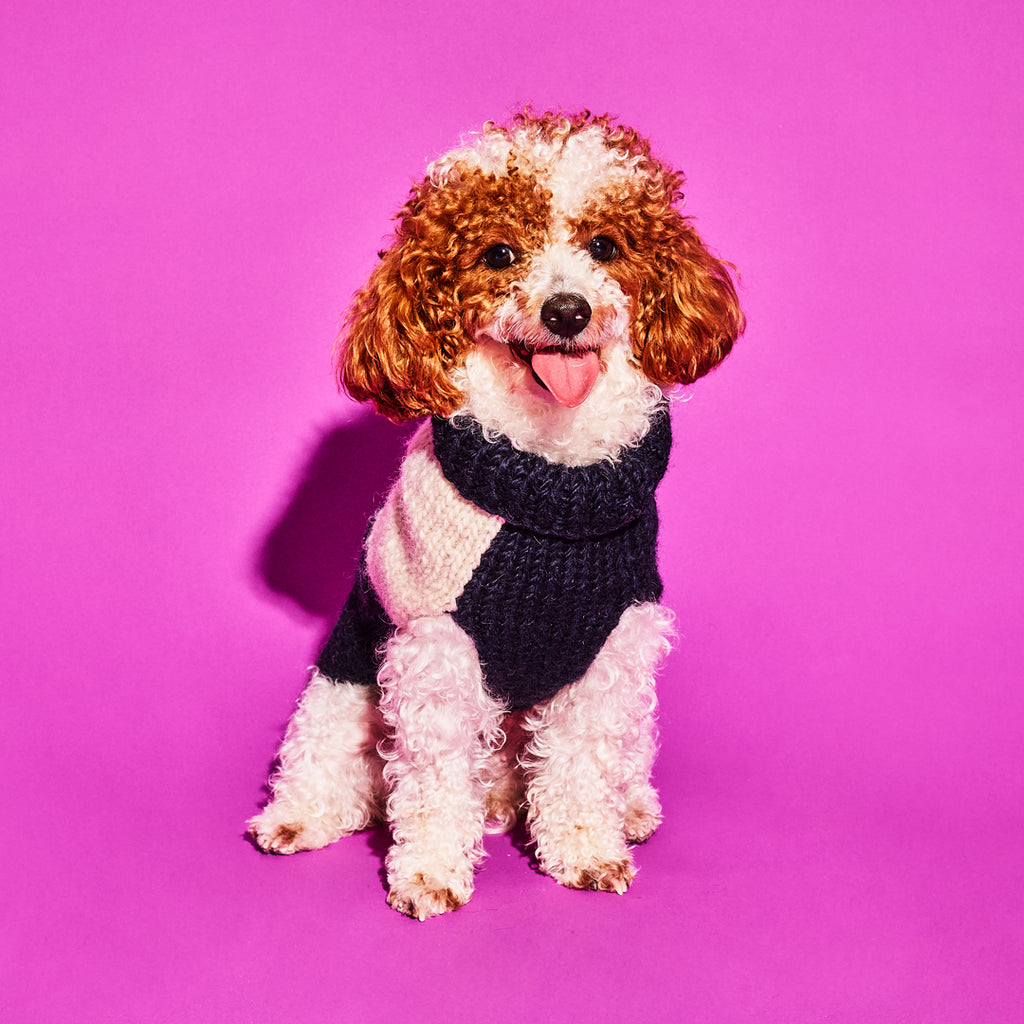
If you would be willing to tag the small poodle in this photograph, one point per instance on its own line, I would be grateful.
(498, 651)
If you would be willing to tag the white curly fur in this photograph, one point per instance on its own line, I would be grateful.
(429, 748)
(505, 401)
(571, 166)
(328, 781)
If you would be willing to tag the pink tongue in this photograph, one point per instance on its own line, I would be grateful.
(569, 376)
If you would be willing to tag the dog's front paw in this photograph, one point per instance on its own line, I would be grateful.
(421, 897)
(425, 882)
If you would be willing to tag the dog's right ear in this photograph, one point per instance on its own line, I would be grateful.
(403, 334)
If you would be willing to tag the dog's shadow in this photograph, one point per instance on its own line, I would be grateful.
(309, 556)
(307, 561)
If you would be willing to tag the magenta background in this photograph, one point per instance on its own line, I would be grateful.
(189, 199)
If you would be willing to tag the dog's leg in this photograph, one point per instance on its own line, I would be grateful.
(506, 794)
(590, 756)
(328, 781)
(651, 626)
(443, 728)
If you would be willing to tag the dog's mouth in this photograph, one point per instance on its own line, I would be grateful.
(568, 374)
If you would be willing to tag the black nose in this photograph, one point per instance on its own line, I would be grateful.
(565, 314)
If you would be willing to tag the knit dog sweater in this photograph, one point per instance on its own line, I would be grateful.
(535, 560)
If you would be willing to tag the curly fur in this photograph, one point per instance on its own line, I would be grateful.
(456, 321)
(574, 177)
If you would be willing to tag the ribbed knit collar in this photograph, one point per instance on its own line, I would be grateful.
(548, 498)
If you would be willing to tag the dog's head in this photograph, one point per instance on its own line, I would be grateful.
(553, 250)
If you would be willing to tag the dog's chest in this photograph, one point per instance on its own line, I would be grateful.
(535, 562)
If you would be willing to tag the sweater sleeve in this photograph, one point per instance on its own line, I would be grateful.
(549, 498)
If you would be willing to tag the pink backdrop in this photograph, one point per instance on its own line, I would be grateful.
(190, 195)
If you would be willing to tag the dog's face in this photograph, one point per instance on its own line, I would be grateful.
(546, 262)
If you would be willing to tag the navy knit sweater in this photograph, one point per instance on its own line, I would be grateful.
(578, 546)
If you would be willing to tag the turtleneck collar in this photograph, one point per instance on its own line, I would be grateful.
(548, 498)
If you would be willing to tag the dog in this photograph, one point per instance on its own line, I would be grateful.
(542, 298)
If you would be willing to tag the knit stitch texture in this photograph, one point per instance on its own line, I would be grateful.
(577, 547)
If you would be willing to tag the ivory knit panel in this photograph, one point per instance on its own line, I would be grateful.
(427, 540)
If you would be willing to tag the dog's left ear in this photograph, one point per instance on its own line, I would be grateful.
(687, 313)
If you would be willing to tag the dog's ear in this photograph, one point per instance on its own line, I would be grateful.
(687, 314)
(403, 334)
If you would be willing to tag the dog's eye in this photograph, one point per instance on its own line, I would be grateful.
(499, 256)
(603, 249)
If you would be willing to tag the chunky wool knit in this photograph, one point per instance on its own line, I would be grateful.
(576, 547)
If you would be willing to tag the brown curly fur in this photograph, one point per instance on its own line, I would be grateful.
(412, 323)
